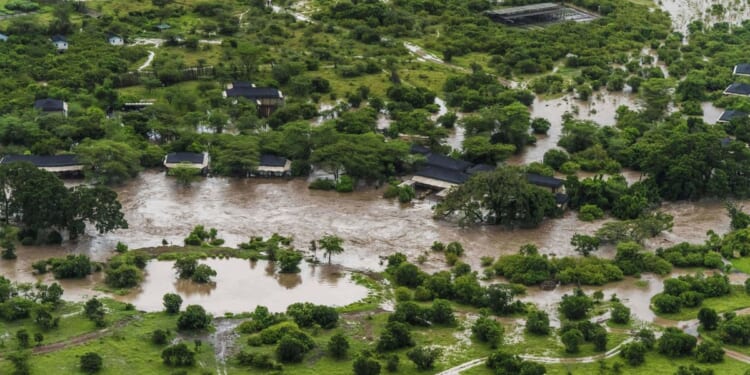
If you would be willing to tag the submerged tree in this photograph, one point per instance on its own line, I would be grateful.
(503, 197)
(331, 245)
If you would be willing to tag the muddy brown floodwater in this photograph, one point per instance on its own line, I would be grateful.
(157, 208)
(683, 12)
(241, 285)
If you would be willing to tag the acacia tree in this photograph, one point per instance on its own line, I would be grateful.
(500, 197)
(331, 245)
(37, 200)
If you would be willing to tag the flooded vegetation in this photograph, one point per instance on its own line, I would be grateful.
(683, 12)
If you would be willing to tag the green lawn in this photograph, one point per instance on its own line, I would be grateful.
(737, 299)
(72, 323)
(127, 350)
(742, 264)
(655, 365)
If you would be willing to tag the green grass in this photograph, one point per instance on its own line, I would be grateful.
(655, 364)
(737, 299)
(742, 264)
(72, 323)
(126, 350)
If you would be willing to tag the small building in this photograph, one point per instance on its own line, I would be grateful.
(199, 160)
(273, 166)
(163, 26)
(552, 183)
(268, 99)
(439, 172)
(136, 106)
(3, 37)
(737, 88)
(51, 106)
(729, 115)
(115, 40)
(741, 70)
(480, 168)
(60, 42)
(62, 164)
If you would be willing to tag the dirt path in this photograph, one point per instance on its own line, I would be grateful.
(81, 339)
(146, 64)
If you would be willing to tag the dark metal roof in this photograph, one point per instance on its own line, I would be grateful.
(443, 174)
(43, 160)
(446, 162)
(726, 141)
(185, 157)
(524, 10)
(561, 198)
(419, 149)
(480, 168)
(730, 114)
(242, 84)
(738, 88)
(545, 181)
(268, 160)
(59, 38)
(254, 92)
(742, 69)
(50, 105)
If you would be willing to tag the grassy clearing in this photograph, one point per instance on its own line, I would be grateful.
(737, 299)
(127, 350)
(655, 364)
(742, 264)
(72, 323)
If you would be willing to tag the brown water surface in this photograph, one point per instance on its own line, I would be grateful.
(241, 285)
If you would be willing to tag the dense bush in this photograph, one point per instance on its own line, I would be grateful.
(675, 343)
(488, 330)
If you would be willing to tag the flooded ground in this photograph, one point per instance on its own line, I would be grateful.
(683, 12)
(241, 285)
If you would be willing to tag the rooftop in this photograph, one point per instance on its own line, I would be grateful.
(59, 38)
(443, 174)
(480, 168)
(742, 69)
(268, 160)
(254, 92)
(50, 105)
(419, 149)
(42, 161)
(185, 157)
(730, 114)
(442, 161)
(738, 88)
(526, 10)
(544, 181)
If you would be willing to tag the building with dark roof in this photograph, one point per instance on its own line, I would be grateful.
(741, 70)
(730, 114)
(273, 166)
(60, 42)
(738, 88)
(551, 183)
(200, 160)
(480, 168)
(49, 163)
(51, 106)
(268, 99)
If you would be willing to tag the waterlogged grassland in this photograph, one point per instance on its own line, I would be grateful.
(737, 299)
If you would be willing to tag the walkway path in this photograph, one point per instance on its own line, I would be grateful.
(146, 64)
